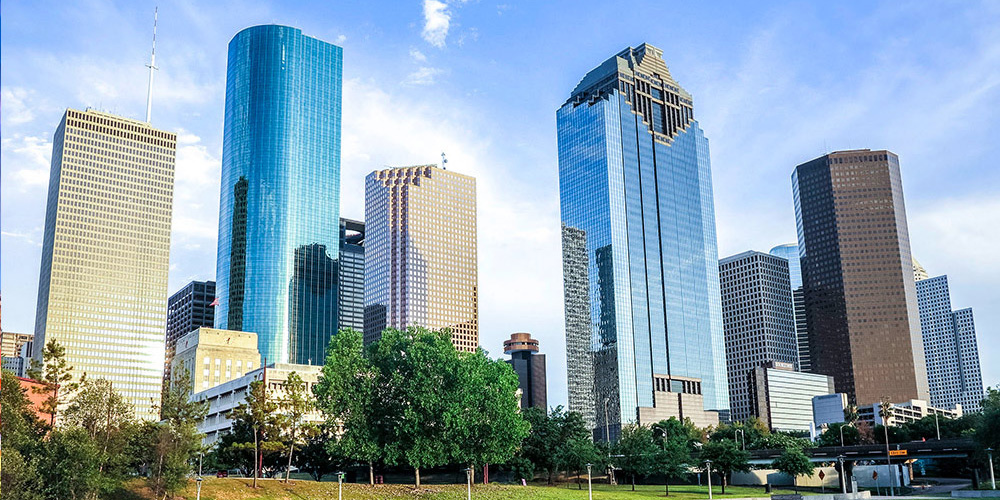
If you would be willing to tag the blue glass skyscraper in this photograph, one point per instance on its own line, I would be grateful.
(279, 231)
(790, 252)
(640, 261)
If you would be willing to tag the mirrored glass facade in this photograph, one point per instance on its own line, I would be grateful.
(857, 275)
(279, 231)
(790, 252)
(638, 216)
(102, 291)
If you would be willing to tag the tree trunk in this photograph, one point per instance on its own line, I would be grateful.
(416, 474)
(256, 453)
(550, 477)
(291, 450)
(666, 488)
(633, 481)
(472, 473)
(371, 473)
(724, 481)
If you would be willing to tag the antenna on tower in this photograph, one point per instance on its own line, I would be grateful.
(151, 66)
(444, 162)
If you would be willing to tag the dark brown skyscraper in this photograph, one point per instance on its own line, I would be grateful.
(530, 369)
(860, 297)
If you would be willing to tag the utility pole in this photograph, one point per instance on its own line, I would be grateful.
(708, 475)
(590, 488)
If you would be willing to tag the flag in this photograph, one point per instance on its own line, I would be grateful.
(214, 302)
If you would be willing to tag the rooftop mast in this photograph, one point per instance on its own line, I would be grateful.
(151, 66)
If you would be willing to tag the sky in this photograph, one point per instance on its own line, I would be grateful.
(775, 84)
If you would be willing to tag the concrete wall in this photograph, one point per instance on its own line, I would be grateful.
(863, 474)
(773, 477)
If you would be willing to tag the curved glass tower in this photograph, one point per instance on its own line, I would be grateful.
(640, 260)
(279, 232)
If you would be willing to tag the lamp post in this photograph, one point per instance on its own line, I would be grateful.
(590, 488)
(743, 437)
(937, 428)
(468, 483)
(340, 486)
(199, 487)
(708, 476)
(993, 480)
(841, 435)
(843, 475)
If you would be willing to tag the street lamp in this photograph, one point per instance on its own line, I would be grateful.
(843, 475)
(841, 435)
(468, 483)
(708, 475)
(590, 489)
(743, 436)
(340, 485)
(936, 426)
(199, 487)
(993, 480)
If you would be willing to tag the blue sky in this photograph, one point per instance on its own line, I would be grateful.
(774, 84)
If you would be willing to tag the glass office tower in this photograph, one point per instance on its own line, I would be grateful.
(790, 252)
(639, 234)
(102, 289)
(279, 233)
(857, 276)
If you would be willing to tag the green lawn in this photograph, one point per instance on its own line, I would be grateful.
(239, 489)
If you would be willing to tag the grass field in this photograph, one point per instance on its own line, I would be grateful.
(239, 489)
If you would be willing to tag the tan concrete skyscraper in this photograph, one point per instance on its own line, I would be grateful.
(102, 292)
(420, 252)
(857, 275)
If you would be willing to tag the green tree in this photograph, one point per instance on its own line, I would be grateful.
(296, 404)
(109, 421)
(57, 375)
(69, 465)
(727, 457)
(19, 425)
(487, 419)
(794, 463)
(831, 437)
(322, 453)
(988, 431)
(417, 377)
(555, 440)
(636, 452)
(678, 440)
(19, 477)
(174, 442)
(345, 395)
(259, 414)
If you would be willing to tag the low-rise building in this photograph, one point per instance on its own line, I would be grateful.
(782, 398)
(224, 398)
(679, 397)
(212, 356)
(905, 412)
(829, 408)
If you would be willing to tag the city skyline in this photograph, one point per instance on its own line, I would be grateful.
(186, 100)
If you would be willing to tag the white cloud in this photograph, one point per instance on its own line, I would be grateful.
(196, 192)
(15, 110)
(417, 56)
(422, 76)
(28, 158)
(437, 21)
(340, 39)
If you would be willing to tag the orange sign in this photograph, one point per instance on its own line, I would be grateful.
(897, 453)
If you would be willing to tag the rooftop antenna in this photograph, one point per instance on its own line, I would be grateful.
(444, 162)
(151, 66)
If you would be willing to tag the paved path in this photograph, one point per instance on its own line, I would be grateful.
(943, 488)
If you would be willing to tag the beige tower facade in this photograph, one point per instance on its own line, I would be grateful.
(420, 252)
(102, 291)
(213, 357)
